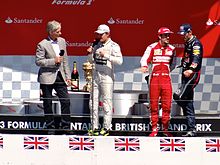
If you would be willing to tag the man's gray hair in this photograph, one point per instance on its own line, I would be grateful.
(53, 25)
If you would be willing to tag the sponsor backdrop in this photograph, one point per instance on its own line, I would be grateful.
(134, 24)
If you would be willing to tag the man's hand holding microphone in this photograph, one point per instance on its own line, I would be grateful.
(59, 59)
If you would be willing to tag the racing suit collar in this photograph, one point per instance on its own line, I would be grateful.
(109, 40)
(191, 39)
(161, 46)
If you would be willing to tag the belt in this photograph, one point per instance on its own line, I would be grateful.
(160, 74)
(101, 61)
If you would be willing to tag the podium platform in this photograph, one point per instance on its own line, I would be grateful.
(113, 150)
(121, 125)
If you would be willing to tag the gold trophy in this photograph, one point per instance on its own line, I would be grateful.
(87, 67)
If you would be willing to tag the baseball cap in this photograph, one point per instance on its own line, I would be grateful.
(164, 30)
(102, 29)
(185, 28)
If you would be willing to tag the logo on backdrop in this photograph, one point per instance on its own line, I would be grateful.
(213, 22)
(16, 20)
(73, 2)
(136, 21)
(78, 44)
(178, 45)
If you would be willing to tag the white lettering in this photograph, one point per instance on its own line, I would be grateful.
(117, 127)
(132, 127)
(178, 127)
(80, 126)
(129, 21)
(161, 59)
(178, 45)
(75, 126)
(72, 2)
(203, 127)
(14, 124)
(208, 127)
(24, 125)
(89, 2)
(85, 126)
(78, 44)
(2, 124)
(27, 21)
(123, 127)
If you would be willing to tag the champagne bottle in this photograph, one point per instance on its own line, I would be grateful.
(75, 78)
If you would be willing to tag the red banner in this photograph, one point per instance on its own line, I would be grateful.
(133, 24)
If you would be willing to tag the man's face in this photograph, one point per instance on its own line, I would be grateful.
(97, 36)
(165, 39)
(56, 33)
(187, 36)
(103, 37)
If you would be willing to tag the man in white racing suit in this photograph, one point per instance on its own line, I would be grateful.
(103, 55)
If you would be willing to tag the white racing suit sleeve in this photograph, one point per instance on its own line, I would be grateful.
(116, 56)
(145, 57)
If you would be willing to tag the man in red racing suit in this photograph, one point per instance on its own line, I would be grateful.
(160, 56)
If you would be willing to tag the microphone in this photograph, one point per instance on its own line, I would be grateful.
(95, 42)
(62, 52)
(147, 78)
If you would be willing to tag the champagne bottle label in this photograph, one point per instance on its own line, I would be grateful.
(75, 78)
(75, 84)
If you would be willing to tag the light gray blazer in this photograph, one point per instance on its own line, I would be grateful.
(45, 59)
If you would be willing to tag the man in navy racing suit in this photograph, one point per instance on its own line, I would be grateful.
(191, 67)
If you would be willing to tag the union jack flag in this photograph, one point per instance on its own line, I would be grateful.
(1, 142)
(127, 144)
(212, 145)
(36, 143)
(172, 145)
(81, 144)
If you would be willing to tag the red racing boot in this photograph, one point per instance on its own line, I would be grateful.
(166, 133)
(154, 132)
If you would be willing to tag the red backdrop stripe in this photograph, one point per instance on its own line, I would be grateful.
(133, 24)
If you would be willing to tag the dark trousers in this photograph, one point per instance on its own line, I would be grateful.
(184, 98)
(61, 89)
(188, 111)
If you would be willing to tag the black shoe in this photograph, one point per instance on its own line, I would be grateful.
(50, 125)
(92, 132)
(190, 134)
(104, 132)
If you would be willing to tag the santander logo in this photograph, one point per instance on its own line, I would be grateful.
(111, 21)
(136, 21)
(16, 20)
(8, 20)
(212, 23)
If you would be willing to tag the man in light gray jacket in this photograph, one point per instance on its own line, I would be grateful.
(54, 73)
